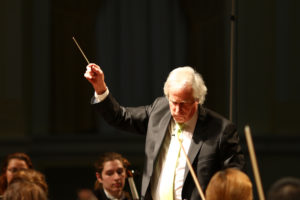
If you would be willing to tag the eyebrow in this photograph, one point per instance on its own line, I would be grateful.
(182, 101)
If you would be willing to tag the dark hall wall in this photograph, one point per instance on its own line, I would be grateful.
(44, 98)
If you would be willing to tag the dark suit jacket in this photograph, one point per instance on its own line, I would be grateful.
(100, 194)
(214, 146)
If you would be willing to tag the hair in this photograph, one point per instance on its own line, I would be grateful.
(32, 176)
(108, 156)
(229, 184)
(187, 75)
(24, 190)
(85, 194)
(287, 188)
(19, 156)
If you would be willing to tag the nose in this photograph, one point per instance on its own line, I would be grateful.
(116, 176)
(177, 108)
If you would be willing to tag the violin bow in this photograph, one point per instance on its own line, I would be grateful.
(192, 172)
(254, 163)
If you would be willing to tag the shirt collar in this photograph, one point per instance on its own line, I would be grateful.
(109, 196)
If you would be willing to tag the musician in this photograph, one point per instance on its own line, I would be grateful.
(11, 164)
(286, 188)
(211, 141)
(229, 184)
(111, 174)
(27, 184)
(24, 190)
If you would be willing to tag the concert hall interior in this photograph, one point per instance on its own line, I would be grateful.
(246, 52)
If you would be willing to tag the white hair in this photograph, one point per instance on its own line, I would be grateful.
(187, 75)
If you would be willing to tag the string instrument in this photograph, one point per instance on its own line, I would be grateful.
(134, 193)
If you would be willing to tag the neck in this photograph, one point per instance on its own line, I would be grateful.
(116, 195)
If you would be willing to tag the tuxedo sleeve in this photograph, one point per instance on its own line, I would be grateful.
(230, 149)
(132, 119)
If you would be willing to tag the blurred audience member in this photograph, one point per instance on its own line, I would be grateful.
(11, 164)
(229, 184)
(111, 174)
(287, 188)
(85, 194)
(24, 190)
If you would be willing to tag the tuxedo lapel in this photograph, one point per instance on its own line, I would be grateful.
(159, 138)
(157, 128)
(196, 143)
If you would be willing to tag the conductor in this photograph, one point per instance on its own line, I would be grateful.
(212, 142)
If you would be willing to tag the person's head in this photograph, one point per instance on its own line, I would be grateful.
(11, 164)
(85, 194)
(185, 89)
(32, 176)
(111, 172)
(24, 190)
(287, 188)
(229, 184)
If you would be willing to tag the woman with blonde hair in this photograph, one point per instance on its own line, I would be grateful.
(229, 184)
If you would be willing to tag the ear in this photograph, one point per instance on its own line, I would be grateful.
(98, 175)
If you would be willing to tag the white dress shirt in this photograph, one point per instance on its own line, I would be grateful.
(187, 134)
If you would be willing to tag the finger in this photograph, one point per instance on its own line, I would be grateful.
(96, 68)
(91, 64)
(88, 68)
(89, 75)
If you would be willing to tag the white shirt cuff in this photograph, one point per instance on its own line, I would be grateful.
(101, 97)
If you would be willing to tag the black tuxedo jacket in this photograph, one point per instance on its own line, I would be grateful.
(100, 194)
(215, 143)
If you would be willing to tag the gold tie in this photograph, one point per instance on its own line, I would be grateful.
(171, 164)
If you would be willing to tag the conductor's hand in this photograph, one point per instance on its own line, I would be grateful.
(95, 76)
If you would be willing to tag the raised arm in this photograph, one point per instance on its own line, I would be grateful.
(95, 76)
